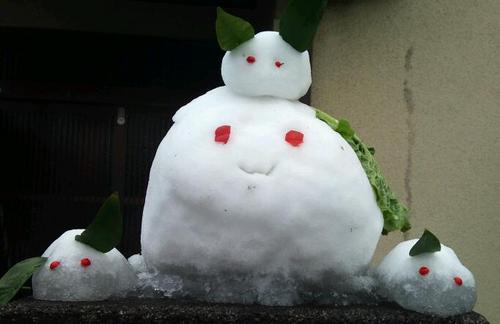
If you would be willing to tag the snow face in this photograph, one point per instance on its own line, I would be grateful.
(433, 283)
(76, 272)
(266, 65)
(257, 185)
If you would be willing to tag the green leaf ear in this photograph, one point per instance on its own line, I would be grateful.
(15, 278)
(105, 232)
(427, 243)
(299, 22)
(232, 31)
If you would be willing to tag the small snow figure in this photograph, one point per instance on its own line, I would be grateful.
(82, 265)
(266, 65)
(251, 181)
(427, 277)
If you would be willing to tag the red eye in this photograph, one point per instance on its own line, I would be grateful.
(424, 271)
(85, 262)
(222, 134)
(54, 265)
(278, 64)
(458, 281)
(250, 59)
(294, 138)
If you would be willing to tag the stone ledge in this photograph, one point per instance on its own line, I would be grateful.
(132, 310)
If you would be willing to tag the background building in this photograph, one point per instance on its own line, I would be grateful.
(420, 81)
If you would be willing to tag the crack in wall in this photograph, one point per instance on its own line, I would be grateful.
(410, 107)
(408, 57)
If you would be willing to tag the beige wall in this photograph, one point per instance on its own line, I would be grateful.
(420, 81)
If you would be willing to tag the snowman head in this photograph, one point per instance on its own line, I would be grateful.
(269, 63)
(266, 65)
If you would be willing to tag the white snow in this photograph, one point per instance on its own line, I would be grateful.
(137, 263)
(108, 274)
(266, 289)
(280, 220)
(263, 77)
(434, 293)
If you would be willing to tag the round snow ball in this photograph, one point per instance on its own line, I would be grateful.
(257, 184)
(266, 65)
(430, 283)
(77, 272)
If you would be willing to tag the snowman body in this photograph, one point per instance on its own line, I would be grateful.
(77, 272)
(248, 181)
(257, 203)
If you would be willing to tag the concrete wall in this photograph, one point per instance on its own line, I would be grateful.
(420, 81)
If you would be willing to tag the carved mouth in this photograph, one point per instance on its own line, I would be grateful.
(257, 170)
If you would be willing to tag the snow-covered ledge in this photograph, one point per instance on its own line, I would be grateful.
(167, 311)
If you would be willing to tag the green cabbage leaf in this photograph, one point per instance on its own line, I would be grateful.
(395, 213)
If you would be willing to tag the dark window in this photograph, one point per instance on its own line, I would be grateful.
(61, 92)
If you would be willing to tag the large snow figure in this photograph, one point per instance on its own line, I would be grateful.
(257, 184)
(249, 181)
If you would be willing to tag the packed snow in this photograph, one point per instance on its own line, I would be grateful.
(76, 272)
(266, 65)
(257, 190)
(433, 283)
(265, 289)
(137, 263)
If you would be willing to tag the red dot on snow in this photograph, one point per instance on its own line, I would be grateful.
(294, 138)
(222, 134)
(278, 64)
(458, 281)
(250, 59)
(423, 271)
(85, 262)
(54, 265)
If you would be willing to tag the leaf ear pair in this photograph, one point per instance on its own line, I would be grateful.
(298, 25)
